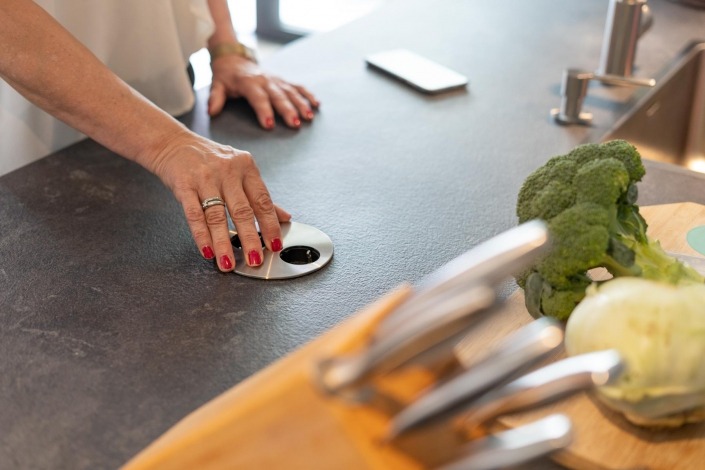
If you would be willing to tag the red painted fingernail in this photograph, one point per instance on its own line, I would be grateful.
(297, 122)
(254, 258)
(309, 114)
(276, 244)
(225, 262)
(208, 252)
(269, 123)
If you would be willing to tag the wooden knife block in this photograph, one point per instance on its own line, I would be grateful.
(282, 418)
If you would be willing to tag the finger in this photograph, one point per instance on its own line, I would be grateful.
(308, 95)
(259, 100)
(282, 215)
(243, 217)
(217, 222)
(301, 104)
(265, 212)
(282, 105)
(197, 224)
(217, 98)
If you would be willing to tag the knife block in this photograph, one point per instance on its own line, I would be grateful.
(282, 418)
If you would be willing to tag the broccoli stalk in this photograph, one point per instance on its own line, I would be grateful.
(588, 198)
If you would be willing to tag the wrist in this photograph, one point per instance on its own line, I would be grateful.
(235, 48)
(155, 156)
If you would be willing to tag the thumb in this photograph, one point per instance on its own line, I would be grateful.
(217, 98)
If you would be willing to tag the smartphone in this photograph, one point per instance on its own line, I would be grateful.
(419, 72)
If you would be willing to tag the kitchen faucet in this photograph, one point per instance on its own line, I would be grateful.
(626, 21)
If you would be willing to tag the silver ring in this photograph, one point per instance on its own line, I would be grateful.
(212, 201)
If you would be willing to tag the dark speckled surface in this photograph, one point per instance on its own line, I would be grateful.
(112, 327)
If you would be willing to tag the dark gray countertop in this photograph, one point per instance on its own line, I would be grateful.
(112, 327)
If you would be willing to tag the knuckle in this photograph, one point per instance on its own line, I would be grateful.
(286, 87)
(243, 155)
(270, 229)
(247, 156)
(242, 212)
(182, 186)
(250, 169)
(280, 99)
(189, 183)
(222, 247)
(200, 234)
(250, 241)
(216, 216)
(264, 202)
(194, 214)
(258, 95)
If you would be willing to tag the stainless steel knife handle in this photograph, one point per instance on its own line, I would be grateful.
(488, 263)
(440, 306)
(516, 446)
(546, 384)
(451, 316)
(520, 349)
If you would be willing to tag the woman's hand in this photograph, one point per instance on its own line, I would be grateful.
(108, 110)
(197, 169)
(235, 76)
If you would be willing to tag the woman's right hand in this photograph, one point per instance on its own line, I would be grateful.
(105, 108)
(196, 169)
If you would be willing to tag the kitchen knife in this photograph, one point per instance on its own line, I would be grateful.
(544, 385)
(516, 446)
(441, 307)
(488, 263)
(516, 351)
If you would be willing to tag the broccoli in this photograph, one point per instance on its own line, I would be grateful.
(589, 200)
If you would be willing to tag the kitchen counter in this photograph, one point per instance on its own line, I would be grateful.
(112, 327)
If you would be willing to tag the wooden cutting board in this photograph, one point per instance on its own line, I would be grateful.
(602, 438)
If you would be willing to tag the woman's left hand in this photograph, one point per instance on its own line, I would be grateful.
(235, 76)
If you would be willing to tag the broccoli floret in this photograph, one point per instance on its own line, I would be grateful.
(589, 200)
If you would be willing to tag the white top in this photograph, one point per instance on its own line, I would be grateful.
(147, 43)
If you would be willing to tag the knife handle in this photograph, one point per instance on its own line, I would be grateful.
(281, 419)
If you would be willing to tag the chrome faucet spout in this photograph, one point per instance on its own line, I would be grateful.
(626, 21)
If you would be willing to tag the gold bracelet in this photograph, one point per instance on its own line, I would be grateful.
(232, 48)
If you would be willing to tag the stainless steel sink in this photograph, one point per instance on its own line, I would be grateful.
(668, 123)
